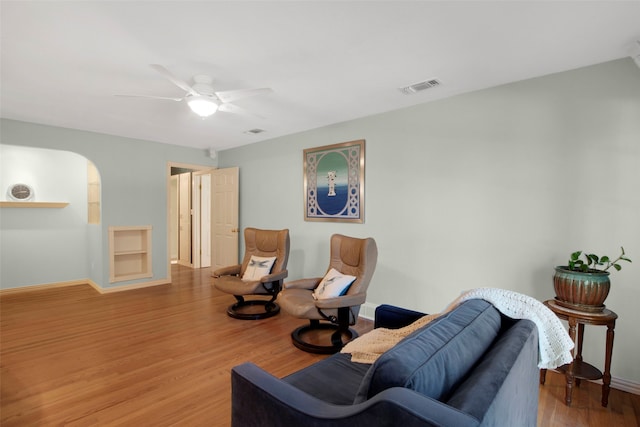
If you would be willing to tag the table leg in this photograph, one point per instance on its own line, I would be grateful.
(569, 374)
(579, 349)
(606, 376)
(543, 376)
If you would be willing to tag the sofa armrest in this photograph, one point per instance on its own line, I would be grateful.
(503, 387)
(392, 317)
(258, 399)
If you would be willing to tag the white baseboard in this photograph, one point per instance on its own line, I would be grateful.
(623, 385)
(89, 282)
(368, 311)
(43, 286)
(129, 287)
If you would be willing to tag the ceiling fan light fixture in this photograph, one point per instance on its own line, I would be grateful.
(202, 106)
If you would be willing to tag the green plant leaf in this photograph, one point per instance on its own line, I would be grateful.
(592, 262)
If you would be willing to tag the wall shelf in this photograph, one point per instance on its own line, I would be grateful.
(33, 204)
(129, 253)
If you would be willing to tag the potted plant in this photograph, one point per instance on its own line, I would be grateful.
(583, 284)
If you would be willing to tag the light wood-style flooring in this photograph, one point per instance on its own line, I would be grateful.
(162, 356)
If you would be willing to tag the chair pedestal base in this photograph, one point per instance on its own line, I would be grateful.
(336, 338)
(270, 309)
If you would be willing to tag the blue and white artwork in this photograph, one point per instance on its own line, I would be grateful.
(333, 182)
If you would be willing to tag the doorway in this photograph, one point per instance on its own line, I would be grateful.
(202, 216)
(190, 216)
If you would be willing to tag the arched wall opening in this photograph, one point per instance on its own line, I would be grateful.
(43, 245)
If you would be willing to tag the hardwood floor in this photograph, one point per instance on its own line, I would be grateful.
(162, 356)
(586, 409)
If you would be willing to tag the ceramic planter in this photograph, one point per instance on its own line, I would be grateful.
(584, 291)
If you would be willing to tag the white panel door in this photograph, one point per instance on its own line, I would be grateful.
(174, 224)
(224, 217)
(203, 238)
(196, 210)
(184, 219)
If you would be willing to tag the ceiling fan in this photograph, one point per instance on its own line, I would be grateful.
(201, 97)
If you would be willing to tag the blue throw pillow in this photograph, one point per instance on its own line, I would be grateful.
(434, 359)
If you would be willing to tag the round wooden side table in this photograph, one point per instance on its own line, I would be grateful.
(580, 369)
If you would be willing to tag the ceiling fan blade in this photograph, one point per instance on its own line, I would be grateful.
(232, 108)
(234, 95)
(173, 79)
(150, 96)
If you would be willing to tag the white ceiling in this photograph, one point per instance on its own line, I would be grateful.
(327, 62)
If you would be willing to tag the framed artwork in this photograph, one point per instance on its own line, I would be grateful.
(334, 182)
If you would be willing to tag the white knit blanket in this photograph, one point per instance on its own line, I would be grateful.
(554, 342)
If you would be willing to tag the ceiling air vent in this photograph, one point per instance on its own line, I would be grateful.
(418, 87)
(254, 131)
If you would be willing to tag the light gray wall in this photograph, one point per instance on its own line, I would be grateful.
(134, 192)
(488, 189)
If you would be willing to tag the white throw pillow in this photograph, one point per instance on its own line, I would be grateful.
(333, 285)
(258, 267)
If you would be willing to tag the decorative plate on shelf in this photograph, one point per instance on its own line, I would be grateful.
(20, 192)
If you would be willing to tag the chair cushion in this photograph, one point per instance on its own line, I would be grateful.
(236, 286)
(258, 267)
(435, 359)
(333, 284)
(299, 303)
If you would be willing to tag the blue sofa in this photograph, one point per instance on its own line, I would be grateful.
(470, 367)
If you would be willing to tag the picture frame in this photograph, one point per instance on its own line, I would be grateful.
(334, 182)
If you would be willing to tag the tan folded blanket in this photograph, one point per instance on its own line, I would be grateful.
(368, 347)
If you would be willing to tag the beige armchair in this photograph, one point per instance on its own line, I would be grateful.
(262, 272)
(325, 299)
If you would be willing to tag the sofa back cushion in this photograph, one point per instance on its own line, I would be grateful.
(435, 359)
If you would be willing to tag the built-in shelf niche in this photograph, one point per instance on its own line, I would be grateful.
(129, 253)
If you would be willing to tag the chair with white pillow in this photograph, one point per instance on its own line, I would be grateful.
(262, 272)
(333, 301)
